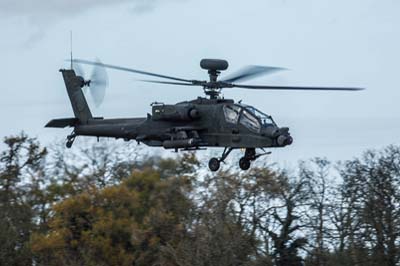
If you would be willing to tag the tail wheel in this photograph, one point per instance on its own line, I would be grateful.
(70, 140)
(69, 144)
(244, 163)
(214, 164)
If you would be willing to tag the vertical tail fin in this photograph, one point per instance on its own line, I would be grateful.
(74, 84)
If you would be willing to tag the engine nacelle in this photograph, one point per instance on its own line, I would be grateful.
(166, 112)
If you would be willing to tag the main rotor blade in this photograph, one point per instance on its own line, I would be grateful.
(81, 61)
(250, 72)
(170, 82)
(256, 87)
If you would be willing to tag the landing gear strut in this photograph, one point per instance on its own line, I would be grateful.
(249, 155)
(70, 140)
(215, 163)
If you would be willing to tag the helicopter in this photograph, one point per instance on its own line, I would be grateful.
(210, 121)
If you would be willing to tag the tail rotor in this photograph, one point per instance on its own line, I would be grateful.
(97, 83)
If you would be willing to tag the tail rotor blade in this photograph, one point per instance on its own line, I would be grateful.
(99, 83)
(79, 71)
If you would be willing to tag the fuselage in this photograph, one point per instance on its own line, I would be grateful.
(193, 124)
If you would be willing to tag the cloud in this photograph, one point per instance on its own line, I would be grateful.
(144, 6)
(30, 8)
(50, 10)
(41, 14)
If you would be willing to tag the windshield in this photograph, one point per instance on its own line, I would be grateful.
(248, 116)
(264, 118)
(250, 121)
(232, 113)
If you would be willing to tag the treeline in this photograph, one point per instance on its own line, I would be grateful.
(112, 205)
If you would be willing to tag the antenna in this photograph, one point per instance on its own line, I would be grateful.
(71, 48)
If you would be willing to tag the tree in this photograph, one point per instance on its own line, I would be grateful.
(374, 181)
(92, 206)
(217, 233)
(288, 221)
(118, 225)
(321, 194)
(22, 155)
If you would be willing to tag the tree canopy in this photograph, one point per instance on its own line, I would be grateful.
(103, 205)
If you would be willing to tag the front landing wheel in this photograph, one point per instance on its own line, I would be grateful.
(214, 164)
(244, 163)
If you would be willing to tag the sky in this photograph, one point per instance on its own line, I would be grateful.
(322, 43)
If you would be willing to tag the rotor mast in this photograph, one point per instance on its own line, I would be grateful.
(211, 88)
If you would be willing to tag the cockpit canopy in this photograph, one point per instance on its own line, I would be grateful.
(248, 116)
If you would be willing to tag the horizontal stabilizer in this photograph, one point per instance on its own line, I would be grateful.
(63, 122)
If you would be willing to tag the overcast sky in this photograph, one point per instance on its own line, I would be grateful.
(329, 43)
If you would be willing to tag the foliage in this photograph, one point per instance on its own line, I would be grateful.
(112, 205)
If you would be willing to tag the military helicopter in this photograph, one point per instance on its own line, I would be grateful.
(188, 125)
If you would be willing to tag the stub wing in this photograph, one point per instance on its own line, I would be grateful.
(63, 122)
